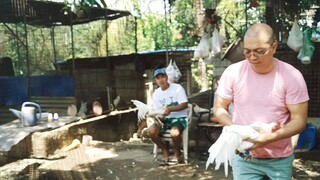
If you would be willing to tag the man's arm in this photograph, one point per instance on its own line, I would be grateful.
(220, 110)
(297, 123)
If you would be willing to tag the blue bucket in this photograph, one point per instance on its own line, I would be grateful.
(307, 138)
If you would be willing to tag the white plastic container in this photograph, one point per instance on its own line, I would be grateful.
(86, 140)
(50, 118)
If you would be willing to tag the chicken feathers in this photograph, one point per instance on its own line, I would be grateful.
(198, 109)
(231, 140)
(144, 110)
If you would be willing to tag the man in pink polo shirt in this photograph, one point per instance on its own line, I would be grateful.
(263, 89)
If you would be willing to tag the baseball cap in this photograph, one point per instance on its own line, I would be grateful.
(159, 71)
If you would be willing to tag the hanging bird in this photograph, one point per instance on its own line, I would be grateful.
(231, 141)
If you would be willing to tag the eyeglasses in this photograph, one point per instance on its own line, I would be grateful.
(257, 52)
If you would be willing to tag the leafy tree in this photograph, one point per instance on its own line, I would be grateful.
(184, 24)
(155, 28)
(91, 40)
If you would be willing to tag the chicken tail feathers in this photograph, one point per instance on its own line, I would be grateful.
(143, 109)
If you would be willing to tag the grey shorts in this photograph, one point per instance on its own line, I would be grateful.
(280, 168)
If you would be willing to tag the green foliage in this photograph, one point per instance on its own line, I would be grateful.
(89, 3)
(39, 49)
(12, 48)
(184, 24)
(120, 36)
(233, 19)
(153, 32)
(90, 40)
(145, 42)
(180, 27)
(305, 4)
(156, 29)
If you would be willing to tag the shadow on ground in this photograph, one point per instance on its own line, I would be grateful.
(123, 160)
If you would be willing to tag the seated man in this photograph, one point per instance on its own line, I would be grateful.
(173, 99)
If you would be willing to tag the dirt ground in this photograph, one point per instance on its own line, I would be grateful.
(127, 161)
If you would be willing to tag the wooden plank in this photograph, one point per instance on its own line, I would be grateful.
(208, 124)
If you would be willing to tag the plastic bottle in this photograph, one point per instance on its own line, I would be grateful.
(50, 118)
(55, 117)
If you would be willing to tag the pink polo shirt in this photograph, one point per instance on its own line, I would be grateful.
(263, 98)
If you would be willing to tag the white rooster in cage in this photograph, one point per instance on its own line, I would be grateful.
(231, 141)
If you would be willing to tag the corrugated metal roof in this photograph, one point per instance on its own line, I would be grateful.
(164, 51)
(48, 14)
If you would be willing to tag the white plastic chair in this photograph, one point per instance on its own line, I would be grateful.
(185, 137)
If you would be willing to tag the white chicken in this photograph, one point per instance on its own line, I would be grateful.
(116, 101)
(145, 110)
(197, 109)
(82, 110)
(231, 141)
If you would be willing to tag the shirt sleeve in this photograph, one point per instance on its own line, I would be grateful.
(297, 91)
(182, 96)
(225, 88)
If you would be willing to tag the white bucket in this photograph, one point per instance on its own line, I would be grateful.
(86, 140)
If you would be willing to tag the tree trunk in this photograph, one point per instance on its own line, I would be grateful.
(202, 68)
(199, 16)
(200, 29)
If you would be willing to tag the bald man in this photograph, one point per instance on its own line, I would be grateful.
(263, 89)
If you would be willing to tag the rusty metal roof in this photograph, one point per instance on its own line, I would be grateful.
(48, 14)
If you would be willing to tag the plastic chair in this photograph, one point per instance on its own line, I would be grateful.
(185, 137)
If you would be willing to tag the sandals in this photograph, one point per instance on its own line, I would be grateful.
(173, 162)
(163, 162)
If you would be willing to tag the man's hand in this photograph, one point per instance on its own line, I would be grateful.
(167, 111)
(264, 138)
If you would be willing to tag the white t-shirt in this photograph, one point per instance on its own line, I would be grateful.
(172, 96)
